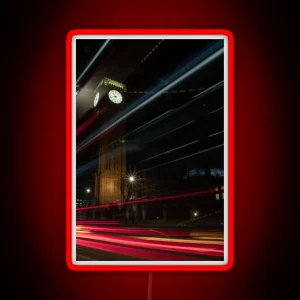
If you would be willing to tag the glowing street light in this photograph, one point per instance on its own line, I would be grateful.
(88, 190)
(195, 214)
(131, 179)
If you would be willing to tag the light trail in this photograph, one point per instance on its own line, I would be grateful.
(141, 127)
(134, 243)
(96, 139)
(182, 126)
(152, 122)
(206, 92)
(217, 133)
(196, 240)
(93, 118)
(171, 112)
(86, 167)
(194, 194)
(184, 157)
(88, 79)
(78, 229)
(202, 60)
(214, 111)
(209, 90)
(134, 252)
(172, 150)
(183, 248)
(93, 60)
(97, 222)
(161, 233)
(141, 62)
(135, 231)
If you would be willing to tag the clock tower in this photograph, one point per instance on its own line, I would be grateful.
(112, 152)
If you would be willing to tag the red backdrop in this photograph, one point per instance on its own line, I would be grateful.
(36, 239)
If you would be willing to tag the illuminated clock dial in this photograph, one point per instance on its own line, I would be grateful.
(115, 96)
(96, 99)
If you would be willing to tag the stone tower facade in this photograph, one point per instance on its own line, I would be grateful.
(111, 168)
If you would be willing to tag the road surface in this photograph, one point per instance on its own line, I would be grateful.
(117, 243)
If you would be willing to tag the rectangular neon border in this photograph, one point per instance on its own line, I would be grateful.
(230, 185)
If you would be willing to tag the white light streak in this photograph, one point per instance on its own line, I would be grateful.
(172, 150)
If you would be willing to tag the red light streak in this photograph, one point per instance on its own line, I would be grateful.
(134, 252)
(87, 123)
(210, 191)
(96, 139)
(180, 247)
(101, 63)
(136, 231)
(164, 241)
(97, 222)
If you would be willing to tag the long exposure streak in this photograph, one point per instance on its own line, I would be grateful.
(172, 150)
(150, 200)
(164, 134)
(214, 111)
(153, 97)
(87, 123)
(93, 60)
(184, 157)
(217, 133)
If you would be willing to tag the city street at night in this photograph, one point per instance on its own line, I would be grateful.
(150, 141)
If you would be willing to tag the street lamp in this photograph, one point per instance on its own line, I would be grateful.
(88, 190)
(127, 183)
(195, 214)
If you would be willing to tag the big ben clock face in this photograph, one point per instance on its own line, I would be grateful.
(115, 96)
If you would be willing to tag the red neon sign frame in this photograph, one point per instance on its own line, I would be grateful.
(229, 36)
